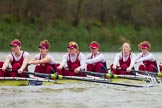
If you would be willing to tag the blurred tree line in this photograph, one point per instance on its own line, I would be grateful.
(137, 12)
(109, 22)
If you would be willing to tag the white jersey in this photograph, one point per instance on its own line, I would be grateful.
(146, 57)
(119, 56)
(19, 57)
(72, 58)
(91, 59)
(38, 57)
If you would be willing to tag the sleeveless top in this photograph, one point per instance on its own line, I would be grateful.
(18, 61)
(127, 62)
(70, 63)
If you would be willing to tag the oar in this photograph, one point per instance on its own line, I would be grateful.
(99, 81)
(159, 74)
(53, 76)
(106, 75)
(104, 81)
(112, 76)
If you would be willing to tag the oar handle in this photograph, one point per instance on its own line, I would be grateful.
(111, 75)
(159, 74)
(53, 76)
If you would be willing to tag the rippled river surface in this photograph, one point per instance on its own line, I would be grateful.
(80, 94)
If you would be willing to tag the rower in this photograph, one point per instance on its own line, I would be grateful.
(123, 60)
(18, 60)
(95, 60)
(44, 61)
(148, 60)
(72, 62)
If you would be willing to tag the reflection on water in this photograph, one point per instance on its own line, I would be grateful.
(80, 95)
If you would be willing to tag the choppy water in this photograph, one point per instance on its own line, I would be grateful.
(81, 95)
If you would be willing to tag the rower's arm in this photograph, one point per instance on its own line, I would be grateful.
(6, 63)
(25, 62)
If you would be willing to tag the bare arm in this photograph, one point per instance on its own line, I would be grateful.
(42, 61)
(63, 62)
(6, 63)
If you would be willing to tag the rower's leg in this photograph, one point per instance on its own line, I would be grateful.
(14, 72)
(152, 68)
(141, 67)
(50, 70)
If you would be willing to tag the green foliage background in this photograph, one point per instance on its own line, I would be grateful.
(110, 22)
(110, 38)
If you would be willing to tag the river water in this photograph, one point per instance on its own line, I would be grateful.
(81, 94)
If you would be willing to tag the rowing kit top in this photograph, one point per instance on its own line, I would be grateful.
(120, 58)
(39, 57)
(92, 59)
(147, 58)
(20, 58)
(73, 58)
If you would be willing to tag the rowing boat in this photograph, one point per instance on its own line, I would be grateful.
(137, 80)
(17, 81)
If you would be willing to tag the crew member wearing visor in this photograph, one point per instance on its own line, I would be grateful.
(44, 61)
(95, 60)
(72, 62)
(18, 60)
(148, 60)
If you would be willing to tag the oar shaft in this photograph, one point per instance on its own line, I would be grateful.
(52, 76)
(94, 73)
(97, 81)
(113, 76)
(107, 75)
(59, 77)
(159, 74)
(39, 74)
